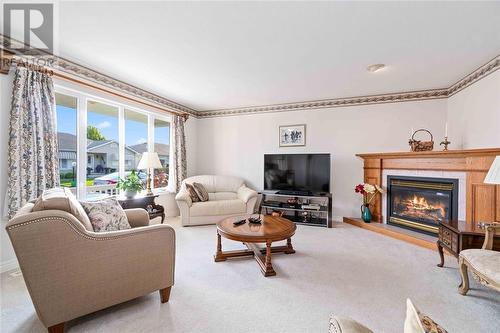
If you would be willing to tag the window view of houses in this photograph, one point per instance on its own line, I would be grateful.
(103, 149)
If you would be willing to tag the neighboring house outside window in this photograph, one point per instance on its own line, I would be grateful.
(163, 150)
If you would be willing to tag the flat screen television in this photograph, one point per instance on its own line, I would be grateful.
(297, 173)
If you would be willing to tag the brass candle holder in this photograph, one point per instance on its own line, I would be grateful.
(445, 143)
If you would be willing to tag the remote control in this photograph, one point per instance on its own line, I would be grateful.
(239, 222)
(255, 220)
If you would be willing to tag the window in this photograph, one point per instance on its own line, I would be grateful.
(136, 140)
(162, 147)
(103, 147)
(101, 141)
(66, 117)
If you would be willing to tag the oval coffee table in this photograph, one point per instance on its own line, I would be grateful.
(272, 229)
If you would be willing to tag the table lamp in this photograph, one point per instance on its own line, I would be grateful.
(149, 161)
(493, 176)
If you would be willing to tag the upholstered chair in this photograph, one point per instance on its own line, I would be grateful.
(415, 322)
(339, 324)
(483, 263)
(227, 196)
(71, 271)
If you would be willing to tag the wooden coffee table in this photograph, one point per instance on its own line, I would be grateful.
(271, 230)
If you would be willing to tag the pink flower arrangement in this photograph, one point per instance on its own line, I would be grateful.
(368, 191)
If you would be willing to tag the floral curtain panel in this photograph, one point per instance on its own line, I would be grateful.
(179, 151)
(32, 161)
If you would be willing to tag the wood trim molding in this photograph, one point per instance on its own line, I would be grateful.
(400, 235)
(5, 61)
(433, 153)
(72, 70)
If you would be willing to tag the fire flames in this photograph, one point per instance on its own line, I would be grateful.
(418, 207)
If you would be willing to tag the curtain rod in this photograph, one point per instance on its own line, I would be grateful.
(59, 74)
(95, 86)
(38, 68)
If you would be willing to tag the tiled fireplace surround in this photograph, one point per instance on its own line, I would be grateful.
(461, 176)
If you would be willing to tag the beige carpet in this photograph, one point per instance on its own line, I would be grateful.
(344, 270)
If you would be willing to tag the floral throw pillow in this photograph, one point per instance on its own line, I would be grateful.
(417, 322)
(430, 326)
(106, 215)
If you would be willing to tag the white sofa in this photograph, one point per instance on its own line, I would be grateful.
(228, 196)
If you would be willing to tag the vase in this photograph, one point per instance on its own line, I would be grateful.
(130, 194)
(366, 214)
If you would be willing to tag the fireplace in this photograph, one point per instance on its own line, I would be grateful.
(420, 203)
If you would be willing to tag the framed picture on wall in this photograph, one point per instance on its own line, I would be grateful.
(292, 135)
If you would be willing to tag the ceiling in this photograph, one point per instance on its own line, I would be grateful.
(216, 55)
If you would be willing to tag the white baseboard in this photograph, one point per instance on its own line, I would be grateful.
(8, 265)
(337, 218)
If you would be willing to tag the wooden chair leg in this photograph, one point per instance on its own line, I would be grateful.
(464, 286)
(165, 294)
(59, 328)
(289, 245)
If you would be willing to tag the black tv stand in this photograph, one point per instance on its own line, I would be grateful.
(290, 192)
(296, 207)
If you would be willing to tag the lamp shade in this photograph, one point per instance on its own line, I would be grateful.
(149, 161)
(493, 176)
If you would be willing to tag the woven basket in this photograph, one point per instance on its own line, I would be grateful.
(418, 145)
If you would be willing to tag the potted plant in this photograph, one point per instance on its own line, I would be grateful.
(368, 191)
(130, 185)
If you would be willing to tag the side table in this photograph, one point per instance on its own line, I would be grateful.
(146, 202)
(456, 236)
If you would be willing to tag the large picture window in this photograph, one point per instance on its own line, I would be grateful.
(101, 141)
(136, 138)
(66, 117)
(103, 148)
(162, 147)
(136, 141)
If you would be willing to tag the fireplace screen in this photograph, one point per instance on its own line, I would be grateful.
(421, 203)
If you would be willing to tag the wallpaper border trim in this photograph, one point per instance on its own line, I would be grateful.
(480, 73)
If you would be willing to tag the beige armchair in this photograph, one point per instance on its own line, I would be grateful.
(483, 263)
(71, 271)
(228, 196)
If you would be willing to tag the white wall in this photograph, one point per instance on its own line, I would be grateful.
(474, 114)
(236, 145)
